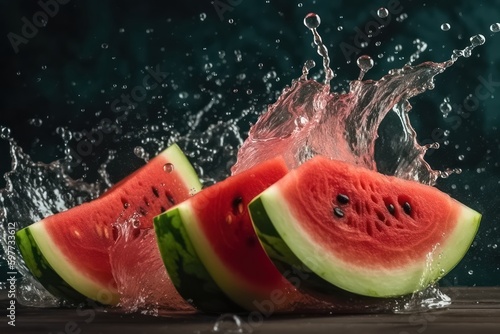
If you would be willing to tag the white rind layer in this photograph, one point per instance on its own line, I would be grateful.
(383, 282)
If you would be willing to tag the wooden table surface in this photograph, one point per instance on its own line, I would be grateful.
(474, 310)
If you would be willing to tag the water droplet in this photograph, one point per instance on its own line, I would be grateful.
(477, 40)
(4, 132)
(312, 21)
(237, 53)
(44, 67)
(445, 26)
(340, 28)
(299, 5)
(141, 153)
(470, 272)
(203, 16)
(495, 27)
(382, 12)
(231, 21)
(365, 63)
(445, 107)
(168, 167)
(35, 122)
(308, 65)
(230, 324)
(494, 246)
(461, 157)
(104, 45)
(18, 73)
(183, 95)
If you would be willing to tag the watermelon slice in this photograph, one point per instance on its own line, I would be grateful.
(348, 227)
(68, 252)
(212, 254)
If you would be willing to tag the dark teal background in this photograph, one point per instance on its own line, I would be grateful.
(82, 78)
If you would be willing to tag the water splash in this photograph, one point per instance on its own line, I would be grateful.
(312, 21)
(298, 123)
(231, 324)
(147, 291)
(308, 120)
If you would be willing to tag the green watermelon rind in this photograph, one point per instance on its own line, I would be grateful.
(58, 275)
(291, 248)
(42, 270)
(184, 266)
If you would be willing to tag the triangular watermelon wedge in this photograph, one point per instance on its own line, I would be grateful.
(347, 227)
(68, 252)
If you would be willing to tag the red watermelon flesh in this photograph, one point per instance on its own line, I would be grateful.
(367, 233)
(218, 226)
(76, 243)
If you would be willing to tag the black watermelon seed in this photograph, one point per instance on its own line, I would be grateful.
(407, 208)
(162, 209)
(155, 192)
(338, 212)
(391, 209)
(342, 199)
(142, 211)
(237, 205)
(170, 198)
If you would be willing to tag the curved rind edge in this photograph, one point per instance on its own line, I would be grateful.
(42, 270)
(290, 249)
(185, 268)
(67, 283)
(181, 163)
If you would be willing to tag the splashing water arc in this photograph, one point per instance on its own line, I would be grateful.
(308, 119)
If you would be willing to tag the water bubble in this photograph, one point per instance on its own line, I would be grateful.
(398, 47)
(230, 324)
(312, 21)
(44, 67)
(445, 26)
(231, 21)
(299, 5)
(461, 157)
(477, 40)
(382, 12)
(183, 95)
(203, 16)
(121, 30)
(104, 45)
(340, 28)
(470, 272)
(168, 167)
(495, 27)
